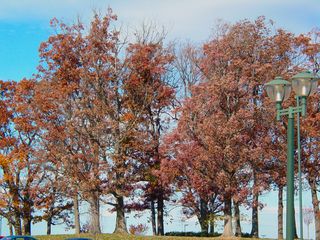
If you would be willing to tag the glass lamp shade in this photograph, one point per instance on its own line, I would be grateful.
(305, 83)
(278, 90)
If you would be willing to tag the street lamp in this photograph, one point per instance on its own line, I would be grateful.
(278, 90)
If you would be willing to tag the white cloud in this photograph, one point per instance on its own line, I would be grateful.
(183, 18)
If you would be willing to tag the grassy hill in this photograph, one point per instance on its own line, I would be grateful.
(124, 237)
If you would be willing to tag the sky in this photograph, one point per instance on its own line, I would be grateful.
(24, 24)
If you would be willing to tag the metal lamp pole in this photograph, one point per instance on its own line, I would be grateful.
(299, 170)
(278, 90)
(290, 166)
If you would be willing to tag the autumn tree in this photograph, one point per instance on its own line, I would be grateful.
(22, 171)
(54, 200)
(255, 54)
(79, 73)
(94, 125)
(151, 92)
(310, 127)
(227, 117)
(55, 148)
(190, 171)
(187, 66)
(200, 124)
(277, 170)
(98, 100)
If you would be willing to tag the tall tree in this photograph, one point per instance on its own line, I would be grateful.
(101, 105)
(21, 168)
(226, 118)
(310, 127)
(247, 55)
(80, 73)
(192, 173)
(54, 200)
(150, 88)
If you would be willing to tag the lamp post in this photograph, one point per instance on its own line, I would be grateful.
(278, 90)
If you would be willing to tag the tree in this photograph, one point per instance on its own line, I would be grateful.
(150, 90)
(187, 66)
(79, 72)
(225, 119)
(193, 175)
(53, 201)
(247, 55)
(310, 125)
(100, 110)
(21, 168)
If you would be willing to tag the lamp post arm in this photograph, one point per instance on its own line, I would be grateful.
(289, 111)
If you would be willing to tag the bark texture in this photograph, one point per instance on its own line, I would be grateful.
(227, 230)
(27, 216)
(121, 226)
(160, 209)
(237, 219)
(94, 214)
(10, 229)
(295, 226)
(280, 213)
(49, 222)
(153, 218)
(17, 225)
(203, 218)
(76, 214)
(26, 226)
(255, 216)
(211, 226)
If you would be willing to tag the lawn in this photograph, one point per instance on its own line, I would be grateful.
(130, 237)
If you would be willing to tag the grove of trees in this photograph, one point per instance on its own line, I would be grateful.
(137, 123)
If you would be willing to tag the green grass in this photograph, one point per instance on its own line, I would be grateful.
(129, 237)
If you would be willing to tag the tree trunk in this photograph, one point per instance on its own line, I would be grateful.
(227, 230)
(94, 214)
(160, 211)
(255, 217)
(280, 213)
(203, 220)
(315, 203)
(49, 223)
(211, 226)
(295, 225)
(10, 228)
(16, 211)
(26, 226)
(153, 218)
(76, 214)
(121, 226)
(17, 229)
(237, 219)
(22, 229)
(17, 226)
(26, 220)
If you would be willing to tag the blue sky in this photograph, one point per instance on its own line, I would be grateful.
(24, 24)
